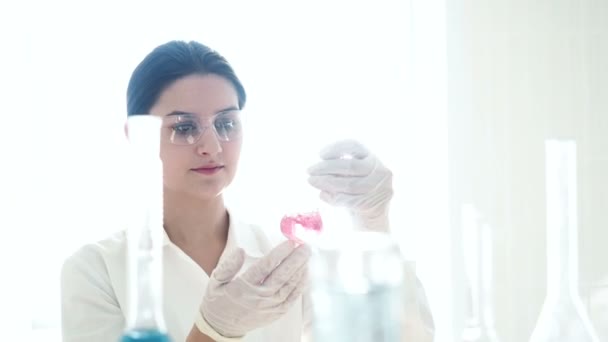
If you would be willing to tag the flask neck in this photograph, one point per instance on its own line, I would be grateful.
(561, 219)
(145, 287)
(562, 260)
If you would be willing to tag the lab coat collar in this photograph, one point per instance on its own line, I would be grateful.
(240, 235)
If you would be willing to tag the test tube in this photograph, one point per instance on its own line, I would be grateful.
(145, 321)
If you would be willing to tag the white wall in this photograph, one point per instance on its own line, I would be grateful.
(530, 70)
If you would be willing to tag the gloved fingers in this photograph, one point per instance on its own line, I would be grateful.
(358, 202)
(343, 167)
(347, 185)
(300, 278)
(327, 197)
(270, 297)
(350, 201)
(286, 270)
(341, 148)
(295, 293)
(229, 267)
(240, 305)
(262, 269)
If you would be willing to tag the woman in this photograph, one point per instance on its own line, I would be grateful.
(221, 278)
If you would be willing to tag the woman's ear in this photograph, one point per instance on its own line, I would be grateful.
(126, 128)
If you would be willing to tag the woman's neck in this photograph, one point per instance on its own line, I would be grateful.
(191, 221)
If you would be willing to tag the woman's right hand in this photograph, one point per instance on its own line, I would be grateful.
(234, 305)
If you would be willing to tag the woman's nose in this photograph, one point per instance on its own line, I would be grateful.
(209, 144)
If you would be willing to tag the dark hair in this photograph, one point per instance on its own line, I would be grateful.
(169, 62)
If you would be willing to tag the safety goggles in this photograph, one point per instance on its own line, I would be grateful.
(187, 128)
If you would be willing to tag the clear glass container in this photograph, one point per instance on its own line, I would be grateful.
(563, 317)
(479, 324)
(357, 288)
(145, 320)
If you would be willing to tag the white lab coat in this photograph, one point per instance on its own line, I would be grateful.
(94, 299)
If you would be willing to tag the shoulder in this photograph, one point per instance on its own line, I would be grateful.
(91, 307)
(97, 251)
(90, 263)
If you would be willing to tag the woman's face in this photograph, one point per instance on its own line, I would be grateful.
(197, 160)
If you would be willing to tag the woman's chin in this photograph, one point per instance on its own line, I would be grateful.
(199, 192)
(207, 194)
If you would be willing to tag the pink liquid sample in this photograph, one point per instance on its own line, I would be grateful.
(300, 227)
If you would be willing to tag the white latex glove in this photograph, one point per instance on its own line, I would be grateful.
(350, 176)
(234, 305)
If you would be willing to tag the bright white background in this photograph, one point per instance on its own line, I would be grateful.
(503, 75)
(314, 71)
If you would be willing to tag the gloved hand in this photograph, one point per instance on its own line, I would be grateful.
(234, 305)
(350, 176)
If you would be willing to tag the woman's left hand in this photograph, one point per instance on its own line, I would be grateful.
(349, 175)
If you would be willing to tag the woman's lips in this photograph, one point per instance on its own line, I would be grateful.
(208, 170)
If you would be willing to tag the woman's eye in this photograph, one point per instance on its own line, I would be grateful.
(226, 124)
(185, 128)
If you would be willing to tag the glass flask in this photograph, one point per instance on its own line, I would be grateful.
(315, 215)
(145, 322)
(357, 284)
(479, 324)
(563, 317)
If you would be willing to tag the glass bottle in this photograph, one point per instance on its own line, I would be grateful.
(563, 317)
(145, 321)
(357, 284)
(479, 324)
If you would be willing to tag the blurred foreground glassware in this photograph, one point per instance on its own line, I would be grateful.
(145, 321)
(477, 246)
(563, 317)
(357, 285)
